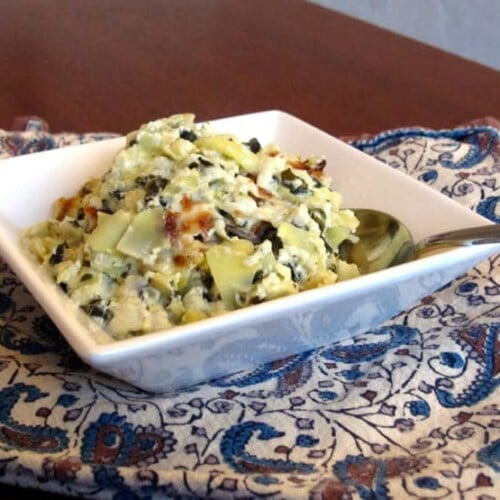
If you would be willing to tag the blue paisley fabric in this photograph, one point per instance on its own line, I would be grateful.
(410, 409)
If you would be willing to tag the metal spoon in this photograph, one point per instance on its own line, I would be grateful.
(384, 241)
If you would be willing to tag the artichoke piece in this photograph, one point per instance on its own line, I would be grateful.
(346, 271)
(160, 282)
(190, 316)
(322, 195)
(148, 141)
(277, 283)
(144, 234)
(179, 149)
(309, 249)
(167, 285)
(108, 231)
(293, 236)
(97, 286)
(113, 264)
(232, 273)
(334, 236)
(232, 148)
(178, 120)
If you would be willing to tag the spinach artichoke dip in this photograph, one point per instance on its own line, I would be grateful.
(187, 224)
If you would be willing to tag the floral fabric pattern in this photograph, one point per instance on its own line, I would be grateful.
(409, 409)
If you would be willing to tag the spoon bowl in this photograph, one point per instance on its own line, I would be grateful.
(384, 241)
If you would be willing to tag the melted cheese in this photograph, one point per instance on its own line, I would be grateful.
(187, 224)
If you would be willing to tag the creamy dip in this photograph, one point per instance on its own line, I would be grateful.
(188, 223)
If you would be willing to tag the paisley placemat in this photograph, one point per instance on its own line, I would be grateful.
(410, 409)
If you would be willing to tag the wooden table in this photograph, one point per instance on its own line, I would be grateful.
(110, 65)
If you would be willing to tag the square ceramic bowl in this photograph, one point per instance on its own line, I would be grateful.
(188, 354)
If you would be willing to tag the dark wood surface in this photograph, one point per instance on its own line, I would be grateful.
(110, 65)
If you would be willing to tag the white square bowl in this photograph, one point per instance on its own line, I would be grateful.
(188, 354)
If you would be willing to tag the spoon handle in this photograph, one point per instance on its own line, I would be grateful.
(462, 237)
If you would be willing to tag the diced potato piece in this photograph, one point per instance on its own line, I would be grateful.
(108, 231)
